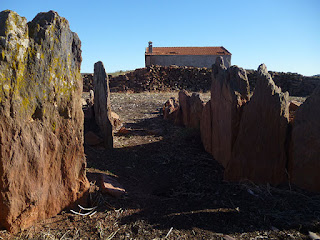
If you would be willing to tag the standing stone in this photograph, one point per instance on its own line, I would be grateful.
(196, 108)
(184, 109)
(229, 92)
(259, 151)
(102, 104)
(206, 128)
(190, 109)
(42, 162)
(304, 165)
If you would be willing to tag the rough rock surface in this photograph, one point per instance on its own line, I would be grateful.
(170, 109)
(102, 104)
(116, 122)
(42, 163)
(304, 166)
(206, 128)
(259, 151)
(184, 109)
(190, 109)
(196, 108)
(229, 91)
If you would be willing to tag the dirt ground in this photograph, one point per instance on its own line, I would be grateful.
(175, 190)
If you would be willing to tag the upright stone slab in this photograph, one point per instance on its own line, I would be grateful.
(196, 108)
(229, 92)
(304, 164)
(102, 104)
(259, 152)
(206, 127)
(184, 108)
(42, 163)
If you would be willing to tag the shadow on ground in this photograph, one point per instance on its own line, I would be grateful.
(173, 182)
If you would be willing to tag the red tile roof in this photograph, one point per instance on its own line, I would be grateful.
(188, 51)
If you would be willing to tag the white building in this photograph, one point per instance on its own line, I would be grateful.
(186, 56)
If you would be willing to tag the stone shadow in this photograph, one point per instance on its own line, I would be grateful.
(175, 183)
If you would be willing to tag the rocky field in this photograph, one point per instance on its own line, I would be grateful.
(175, 190)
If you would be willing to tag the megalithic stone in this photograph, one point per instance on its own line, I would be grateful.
(102, 104)
(259, 152)
(304, 162)
(42, 162)
(229, 93)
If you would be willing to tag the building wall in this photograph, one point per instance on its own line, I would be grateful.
(186, 60)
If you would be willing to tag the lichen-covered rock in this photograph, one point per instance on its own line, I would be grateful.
(259, 153)
(42, 163)
(229, 92)
(102, 104)
(304, 165)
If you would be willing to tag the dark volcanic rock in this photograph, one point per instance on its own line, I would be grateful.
(304, 166)
(259, 152)
(229, 91)
(102, 104)
(42, 163)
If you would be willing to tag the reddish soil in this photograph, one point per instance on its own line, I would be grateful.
(175, 190)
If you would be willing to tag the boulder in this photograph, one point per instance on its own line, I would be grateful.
(107, 184)
(206, 128)
(304, 165)
(102, 104)
(170, 109)
(116, 122)
(42, 162)
(229, 92)
(259, 152)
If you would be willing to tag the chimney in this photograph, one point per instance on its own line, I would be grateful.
(150, 47)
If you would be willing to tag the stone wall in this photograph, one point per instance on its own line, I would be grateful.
(42, 162)
(296, 84)
(156, 78)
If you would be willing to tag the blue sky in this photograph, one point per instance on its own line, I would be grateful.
(285, 35)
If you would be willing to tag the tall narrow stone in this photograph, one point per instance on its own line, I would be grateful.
(259, 152)
(206, 127)
(102, 104)
(42, 162)
(304, 165)
(229, 92)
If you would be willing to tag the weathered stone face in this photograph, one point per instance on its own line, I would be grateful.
(304, 165)
(190, 109)
(206, 128)
(259, 151)
(102, 104)
(170, 109)
(42, 164)
(229, 92)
